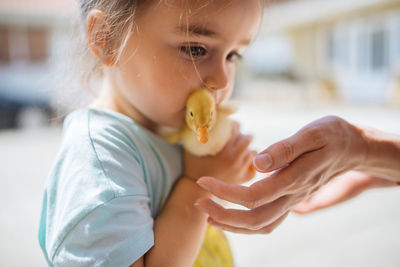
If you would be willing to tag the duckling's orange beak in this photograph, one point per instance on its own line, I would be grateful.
(202, 134)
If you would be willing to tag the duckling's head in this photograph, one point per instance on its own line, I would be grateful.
(201, 113)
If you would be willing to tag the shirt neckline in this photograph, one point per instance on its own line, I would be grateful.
(125, 118)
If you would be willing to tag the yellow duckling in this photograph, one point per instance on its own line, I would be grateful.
(208, 127)
(207, 130)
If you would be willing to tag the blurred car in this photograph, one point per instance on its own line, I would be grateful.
(25, 99)
(32, 35)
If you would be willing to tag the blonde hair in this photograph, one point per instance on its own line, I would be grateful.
(82, 69)
(86, 69)
(120, 16)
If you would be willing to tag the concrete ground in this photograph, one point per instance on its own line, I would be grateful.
(362, 232)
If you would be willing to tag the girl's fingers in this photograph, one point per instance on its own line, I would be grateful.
(235, 130)
(248, 175)
(233, 139)
(281, 153)
(249, 219)
(242, 144)
(244, 158)
(265, 230)
(247, 160)
(249, 171)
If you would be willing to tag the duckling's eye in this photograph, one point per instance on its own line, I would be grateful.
(191, 114)
(212, 112)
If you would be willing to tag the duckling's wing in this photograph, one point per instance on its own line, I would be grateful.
(226, 109)
(173, 138)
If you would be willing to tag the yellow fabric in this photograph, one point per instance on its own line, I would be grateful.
(215, 250)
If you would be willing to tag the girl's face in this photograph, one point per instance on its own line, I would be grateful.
(156, 73)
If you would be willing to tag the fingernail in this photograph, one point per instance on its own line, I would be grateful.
(262, 162)
(201, 183)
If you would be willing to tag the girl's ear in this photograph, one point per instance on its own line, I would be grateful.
(98, 35)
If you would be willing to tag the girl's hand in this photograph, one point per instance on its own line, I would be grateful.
(340, 189)
(230, 165)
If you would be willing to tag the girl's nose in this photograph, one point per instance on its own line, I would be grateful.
(218, 78)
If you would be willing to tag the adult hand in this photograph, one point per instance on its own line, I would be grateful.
(300, 165)
(340, 189)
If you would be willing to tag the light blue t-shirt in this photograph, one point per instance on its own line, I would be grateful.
(109, 182)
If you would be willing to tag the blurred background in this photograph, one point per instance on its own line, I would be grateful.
(311, 58)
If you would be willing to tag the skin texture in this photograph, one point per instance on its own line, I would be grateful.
(155, 74)
(340, 189)
(150, 83)
(323, 154)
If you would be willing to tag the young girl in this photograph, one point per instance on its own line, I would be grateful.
(118, 194)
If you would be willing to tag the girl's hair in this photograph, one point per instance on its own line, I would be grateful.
(86, 69)
(120, 19)
(120, 16)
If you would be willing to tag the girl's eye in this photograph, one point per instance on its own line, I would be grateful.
(194, 51)
(234, 56)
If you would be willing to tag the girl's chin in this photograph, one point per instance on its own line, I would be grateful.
(180, 120)
(177, 123)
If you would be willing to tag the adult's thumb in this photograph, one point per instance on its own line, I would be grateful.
(262, 162)
(279, 154)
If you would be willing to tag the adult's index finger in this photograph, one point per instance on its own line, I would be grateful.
(251, 197)
(287, 150)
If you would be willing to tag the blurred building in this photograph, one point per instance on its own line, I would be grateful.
(32, 33)
(350, 49)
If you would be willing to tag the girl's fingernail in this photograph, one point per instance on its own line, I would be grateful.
(262, 162)
(200, 183)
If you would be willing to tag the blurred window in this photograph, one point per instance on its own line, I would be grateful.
(4, 46)
(37, 44)
(17, 45)
(398, 42)
(331, 47)
(378, 49)
(344, 47)
(362, 50)
(338, 43)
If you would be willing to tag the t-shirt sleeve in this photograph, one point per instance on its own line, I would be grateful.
(116, 233)
(103, 215)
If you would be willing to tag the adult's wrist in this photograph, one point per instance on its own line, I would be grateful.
(382, 155)
(360, 146)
